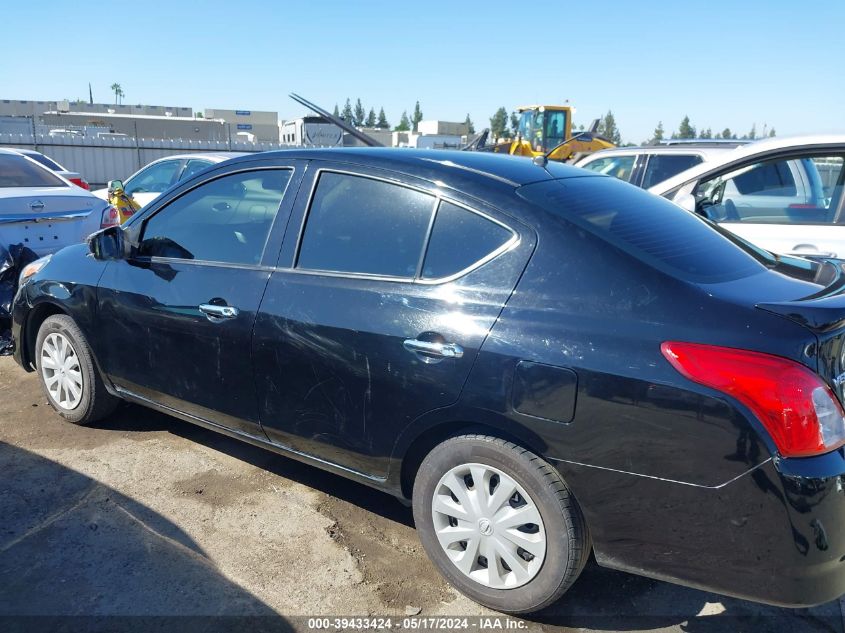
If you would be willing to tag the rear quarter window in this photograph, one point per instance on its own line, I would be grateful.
(649, 228)
(661, 167)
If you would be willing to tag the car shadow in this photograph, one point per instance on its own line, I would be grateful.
(601, 600)
(78, 555)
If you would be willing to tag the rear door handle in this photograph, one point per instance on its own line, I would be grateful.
(440, 350)
(215, 312)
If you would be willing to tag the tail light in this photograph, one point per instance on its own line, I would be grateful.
(798, 410)
(110, 217)
(81, 182)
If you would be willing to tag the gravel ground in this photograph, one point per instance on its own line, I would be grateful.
(145, 515)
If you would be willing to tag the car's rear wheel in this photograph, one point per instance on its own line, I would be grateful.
(499, 523)
(66, 368)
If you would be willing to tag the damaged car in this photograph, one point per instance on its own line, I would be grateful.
(545, 362)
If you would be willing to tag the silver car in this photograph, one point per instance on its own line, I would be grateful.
(44, 211)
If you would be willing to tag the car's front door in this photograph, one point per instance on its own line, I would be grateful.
(788, 205)
(376, 313)
(175, 321)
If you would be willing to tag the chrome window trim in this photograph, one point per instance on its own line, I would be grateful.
(416, 279)
(145, 220)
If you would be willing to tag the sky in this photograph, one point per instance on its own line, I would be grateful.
(732, 64)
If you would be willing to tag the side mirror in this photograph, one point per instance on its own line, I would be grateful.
(107, 243)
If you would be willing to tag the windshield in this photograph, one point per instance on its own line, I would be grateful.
(17, 171)
(651, 229)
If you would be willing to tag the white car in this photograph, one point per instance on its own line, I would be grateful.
(149, 182)
(649, 165)
(44, 211)
(782, 194)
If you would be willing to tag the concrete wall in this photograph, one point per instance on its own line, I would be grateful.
(101, 160)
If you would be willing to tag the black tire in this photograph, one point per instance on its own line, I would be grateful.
(95, 402)
(567, 539)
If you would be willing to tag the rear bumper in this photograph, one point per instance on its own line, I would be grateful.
(774, 535)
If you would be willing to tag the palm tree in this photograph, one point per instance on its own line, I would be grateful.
(118, 92)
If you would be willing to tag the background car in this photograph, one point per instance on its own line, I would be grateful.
(146, 184)
(782, 194)
(545, 361)
(42, 210)
(651, 164)
(75, 177)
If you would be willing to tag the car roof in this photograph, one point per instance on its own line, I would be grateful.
(217, 157)
(758, 148)
(441, 164)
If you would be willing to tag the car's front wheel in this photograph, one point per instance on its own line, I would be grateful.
(499, 523)
(66, 368)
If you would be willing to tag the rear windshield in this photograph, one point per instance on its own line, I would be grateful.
(650, 228)
(17, 171)
(48, 163)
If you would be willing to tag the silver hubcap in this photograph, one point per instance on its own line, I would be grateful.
(488, 526)
(61, 371)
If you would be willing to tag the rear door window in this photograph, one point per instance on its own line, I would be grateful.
(360, 225)
(193, 167)
(661, 167)
(460, 239)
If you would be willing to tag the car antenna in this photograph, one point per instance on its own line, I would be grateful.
(366, 139)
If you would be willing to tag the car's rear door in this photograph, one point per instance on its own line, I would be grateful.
(175, 321)
(381, 301)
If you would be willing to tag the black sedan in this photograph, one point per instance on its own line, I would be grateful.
(546, 362)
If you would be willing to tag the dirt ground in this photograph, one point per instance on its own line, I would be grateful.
(145, 515)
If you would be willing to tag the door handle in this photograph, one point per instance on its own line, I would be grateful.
(214, 312)
(440, 350)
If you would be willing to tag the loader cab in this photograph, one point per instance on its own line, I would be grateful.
(544, 127)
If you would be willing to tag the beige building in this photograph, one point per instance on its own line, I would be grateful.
(263, 125)
(442, 128)
(34, 109)
(144, 126)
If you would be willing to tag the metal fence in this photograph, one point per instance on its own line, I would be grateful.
(102, 159)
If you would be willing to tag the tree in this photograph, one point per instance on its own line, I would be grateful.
(470, 126)
(514, 123)
(371, 119)
(382, 120)
(726, 133)
(658, 134)
(359, 114)
(499, 123)
(608, 129)
(752, 133)
(404, 123)
(686, 129)
(708, 133)
(772, 133)
(118, 92)
(336, 111)
(346, 115)
(417, 116)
